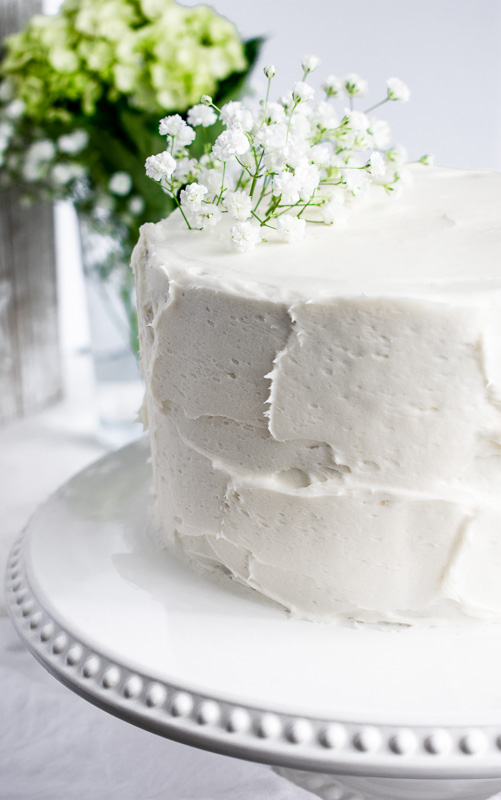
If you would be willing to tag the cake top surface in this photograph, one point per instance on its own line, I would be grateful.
(442, 236)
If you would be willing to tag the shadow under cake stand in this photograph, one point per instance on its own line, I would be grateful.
(346, 712)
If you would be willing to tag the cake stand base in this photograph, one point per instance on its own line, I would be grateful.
(344, 787)
(408, 714)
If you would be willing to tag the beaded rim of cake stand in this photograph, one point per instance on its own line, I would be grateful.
(241, 730)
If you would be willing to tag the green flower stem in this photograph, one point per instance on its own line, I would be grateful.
(266, 102)
(257, 175)
(181, 210)
(244, 167)
(271, 209)
(263, 223)
(305, 206)
(239, 180)
(297, 205)
(264, 193)
(220, 195)
(290, 118)
(377, 105)
(331, 183)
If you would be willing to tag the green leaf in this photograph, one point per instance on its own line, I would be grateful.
(234, 86)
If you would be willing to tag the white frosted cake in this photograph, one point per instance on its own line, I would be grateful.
(325, 418)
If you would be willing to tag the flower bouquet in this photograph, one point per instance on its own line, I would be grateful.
(80, 97)
(280, 164)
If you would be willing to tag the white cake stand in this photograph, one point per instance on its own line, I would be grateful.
(385, 713)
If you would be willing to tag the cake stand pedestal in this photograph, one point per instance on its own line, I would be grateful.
(345, 711)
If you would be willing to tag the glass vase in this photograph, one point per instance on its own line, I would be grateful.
(112, 322)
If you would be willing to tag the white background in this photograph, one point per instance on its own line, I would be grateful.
(448, 51)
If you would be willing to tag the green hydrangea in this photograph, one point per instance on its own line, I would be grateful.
(160, 56)
(104, 72)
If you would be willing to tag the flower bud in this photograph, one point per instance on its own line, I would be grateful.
(269, 71)
(398, 90)
(332, 86)
(302, 92)
(309, 63)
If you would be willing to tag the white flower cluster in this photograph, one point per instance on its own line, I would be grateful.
(57, 164)
(278, 165)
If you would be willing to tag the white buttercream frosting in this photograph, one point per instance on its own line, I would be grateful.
(326, 417)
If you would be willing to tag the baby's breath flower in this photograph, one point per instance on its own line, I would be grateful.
(291, 229)
(15, 109)
(213, 179)
(43, 150)
(336, 195)
(302, 92)
(398, 90)
(356, 180)
(308, 176)
(208, 216)
(332, 86)
(377, 165)
(171, 125)
(354, 85)
(287, 186)
(271, 136)
(310, 63)
(161, 166)
(324, 116)
(427, 160)
(32, 171)
(301, 125)
(232, 142)
(245, 236)
(275, 112)
(286, 100)
(296, 153)
(73, 143)
(184, 168)
(333, 213)
(193, 196)
(397, 155)
(281, 164)
(61, 174)
(394, 187)
(178, 129)
(239, 205)
(381, 133)
(102, 211)
(202, 115)
(6, 91)
(234, 114)
(120, 184)
(136, 205)
(358, 120)
(6, 130)
(321, 154)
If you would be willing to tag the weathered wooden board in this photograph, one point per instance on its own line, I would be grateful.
(30, 375)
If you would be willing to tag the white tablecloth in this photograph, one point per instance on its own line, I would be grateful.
(53, 744)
